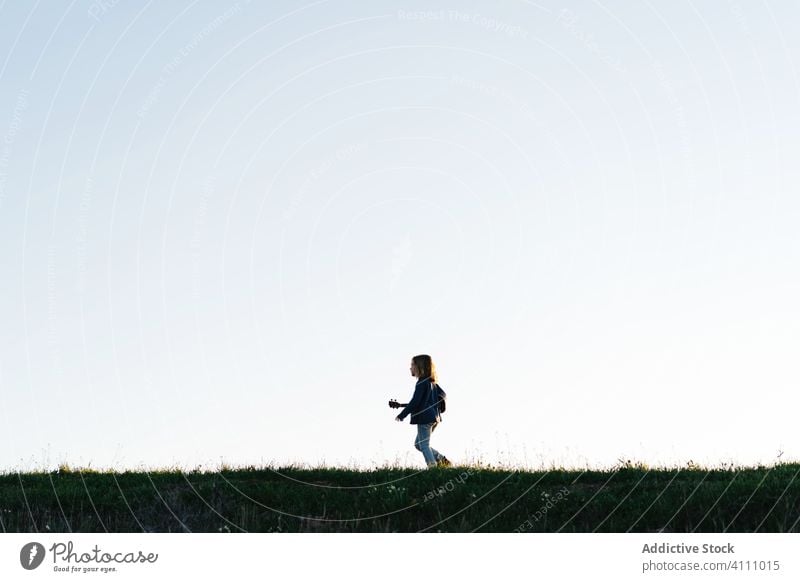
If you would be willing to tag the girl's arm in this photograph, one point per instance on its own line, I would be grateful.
(415, 401)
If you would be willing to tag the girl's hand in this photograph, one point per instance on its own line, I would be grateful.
(398, 419)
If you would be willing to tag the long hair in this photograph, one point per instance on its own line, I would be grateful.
(425, 366)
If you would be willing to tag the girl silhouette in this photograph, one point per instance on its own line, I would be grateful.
(424, 410)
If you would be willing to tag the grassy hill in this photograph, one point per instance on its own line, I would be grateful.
(392, 499)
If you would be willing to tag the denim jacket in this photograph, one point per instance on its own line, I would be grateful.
(423, 407)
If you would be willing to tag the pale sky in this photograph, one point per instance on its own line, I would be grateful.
(225, 229)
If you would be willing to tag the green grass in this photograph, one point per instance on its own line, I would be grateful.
(393, 499)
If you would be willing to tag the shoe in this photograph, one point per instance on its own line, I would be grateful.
(444, 462)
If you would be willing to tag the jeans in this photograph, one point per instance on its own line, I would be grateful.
(423, 443)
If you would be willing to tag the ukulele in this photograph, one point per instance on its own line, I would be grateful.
(395, 404)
